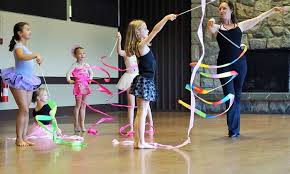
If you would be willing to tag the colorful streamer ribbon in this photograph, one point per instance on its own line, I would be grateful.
(243, 46)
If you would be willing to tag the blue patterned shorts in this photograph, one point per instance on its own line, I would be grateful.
(144, 88)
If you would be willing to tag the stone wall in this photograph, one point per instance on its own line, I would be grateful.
(273, 32)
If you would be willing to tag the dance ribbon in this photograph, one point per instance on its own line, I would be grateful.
(130, 142)
(232, 74)
(126, 134)
(243, 46)
(195, 69)
(83, 78)
(193, 8)
(92, 129)
(230, 97)
(118, 93)
(117, 69)
(131, 133)
(73, 140)
(203, 91)
(108, 79)
(102, 87)
(118, 105)
(219, 76)
(114, 67)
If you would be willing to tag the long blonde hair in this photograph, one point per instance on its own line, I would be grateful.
(132, 38)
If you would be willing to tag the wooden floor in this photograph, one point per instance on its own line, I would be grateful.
(263, 148)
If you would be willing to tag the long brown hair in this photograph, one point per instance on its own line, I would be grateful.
(132, 38)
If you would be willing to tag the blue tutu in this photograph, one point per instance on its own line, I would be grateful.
(19, 81)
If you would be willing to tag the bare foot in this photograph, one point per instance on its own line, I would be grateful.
(144, 146)
(21, 143)
(29, 142)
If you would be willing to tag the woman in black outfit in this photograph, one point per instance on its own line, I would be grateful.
(233, 30)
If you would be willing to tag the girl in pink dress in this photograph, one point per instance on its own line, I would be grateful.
(82, 74)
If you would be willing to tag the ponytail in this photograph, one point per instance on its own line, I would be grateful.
(12, 43)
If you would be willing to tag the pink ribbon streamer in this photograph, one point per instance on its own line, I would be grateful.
(114, 67)
(130, 133)
(92, 129)
(192, 105)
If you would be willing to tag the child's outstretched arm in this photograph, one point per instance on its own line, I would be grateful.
(119, 48)
(156, 29)
(250, 23)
